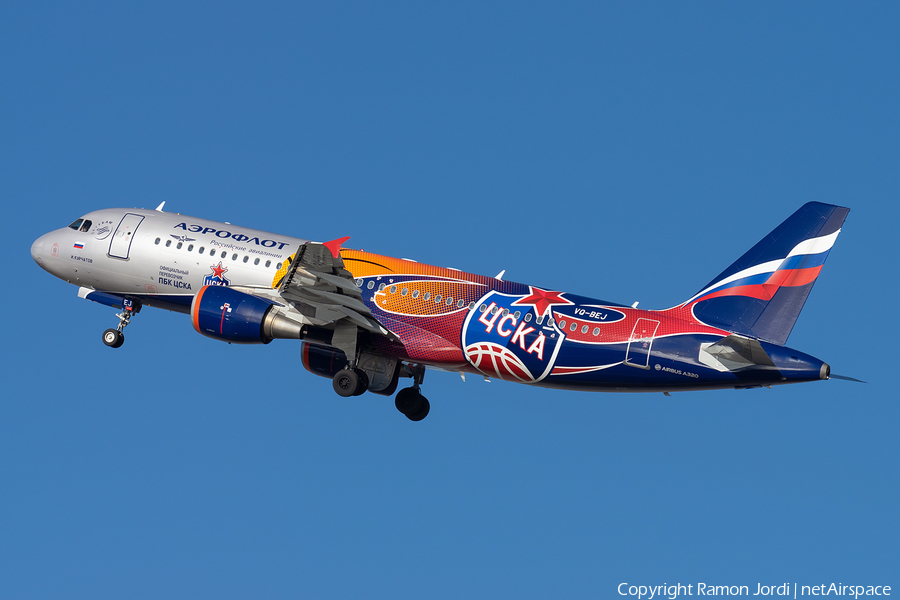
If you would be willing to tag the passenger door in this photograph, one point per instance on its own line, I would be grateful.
(120, 245)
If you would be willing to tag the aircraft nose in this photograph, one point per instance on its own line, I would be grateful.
(37, 249)
(40, 251)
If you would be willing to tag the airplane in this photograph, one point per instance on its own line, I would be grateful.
(366, 320)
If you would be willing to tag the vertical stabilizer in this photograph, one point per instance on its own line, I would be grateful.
(762, 293)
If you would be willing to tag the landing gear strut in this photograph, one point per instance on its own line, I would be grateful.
(410, 401)
(115, 337)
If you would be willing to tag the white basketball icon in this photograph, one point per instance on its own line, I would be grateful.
(497, 361)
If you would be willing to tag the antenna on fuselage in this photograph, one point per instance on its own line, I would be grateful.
(161, 204)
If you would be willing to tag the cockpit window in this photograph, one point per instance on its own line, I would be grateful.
(76, 224)
(86, 226)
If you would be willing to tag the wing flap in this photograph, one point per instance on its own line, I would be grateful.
(325, 292)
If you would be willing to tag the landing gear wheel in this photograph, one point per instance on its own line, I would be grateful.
(345, 382)
(423, 411)
(412, 403)
(363, 384)
(113, 338)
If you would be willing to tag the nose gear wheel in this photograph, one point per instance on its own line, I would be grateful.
(114, 338)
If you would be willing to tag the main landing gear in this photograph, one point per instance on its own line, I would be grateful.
(409, 401)
(115, 337)
(350, 382)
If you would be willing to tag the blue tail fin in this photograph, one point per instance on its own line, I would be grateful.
(762, 293)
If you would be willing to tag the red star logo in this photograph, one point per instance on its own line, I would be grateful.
(218, 270)
(541, 300)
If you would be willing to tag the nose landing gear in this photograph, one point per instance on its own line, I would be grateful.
(115, 337)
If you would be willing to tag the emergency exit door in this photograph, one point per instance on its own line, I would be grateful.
(120, 245)
(640, 343)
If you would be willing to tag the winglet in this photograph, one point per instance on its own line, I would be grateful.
(335, 245)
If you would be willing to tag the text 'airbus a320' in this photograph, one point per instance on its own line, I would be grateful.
(367, 320)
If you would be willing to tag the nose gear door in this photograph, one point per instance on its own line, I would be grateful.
(640, 342)
(120, 245)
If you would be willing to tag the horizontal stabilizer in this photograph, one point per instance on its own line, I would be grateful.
(733, 353)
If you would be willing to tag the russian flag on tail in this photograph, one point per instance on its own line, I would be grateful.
(762, 293)
(800, 267)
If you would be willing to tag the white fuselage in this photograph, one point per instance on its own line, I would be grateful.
(162, 258)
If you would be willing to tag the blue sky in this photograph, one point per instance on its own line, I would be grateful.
(626, 151)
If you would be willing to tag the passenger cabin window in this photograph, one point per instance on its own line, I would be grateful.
(256, 261)
(268, 262)
(168, 243)
(246, 258)
(190, 247)
(178, 246)
(157, 241)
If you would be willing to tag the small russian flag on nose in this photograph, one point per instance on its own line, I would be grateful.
(78, 245)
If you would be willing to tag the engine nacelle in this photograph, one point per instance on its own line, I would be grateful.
(383, 372)
(225, 314)
(322, 360)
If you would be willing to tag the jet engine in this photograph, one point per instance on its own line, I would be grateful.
(322, 360)
(228, 315)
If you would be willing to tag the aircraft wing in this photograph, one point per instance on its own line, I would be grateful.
(317, 285)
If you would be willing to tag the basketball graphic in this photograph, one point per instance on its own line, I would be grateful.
(497, 361)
